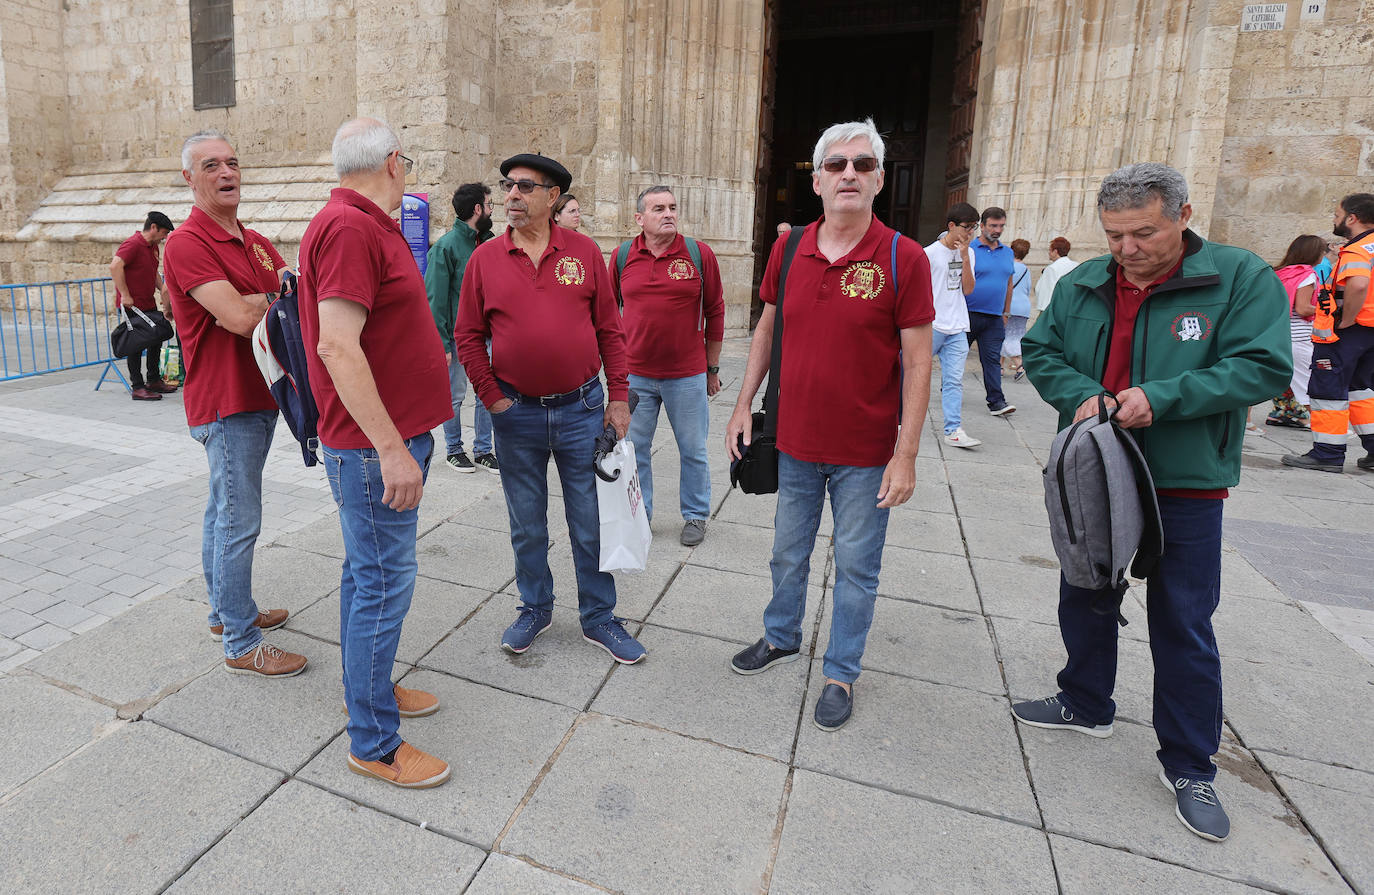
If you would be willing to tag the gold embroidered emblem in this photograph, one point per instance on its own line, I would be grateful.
(863, 279)
(681, 269)
(263, 258)
(569, 271)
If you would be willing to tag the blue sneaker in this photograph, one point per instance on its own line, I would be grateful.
(1196, 805)
(529, 624)
(614, 639)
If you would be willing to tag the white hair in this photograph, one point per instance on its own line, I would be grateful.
(204, 136)
(363, 145)
(843, 133)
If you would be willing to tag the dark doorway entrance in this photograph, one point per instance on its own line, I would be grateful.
(894, 60)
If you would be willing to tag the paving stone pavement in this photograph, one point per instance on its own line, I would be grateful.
(140, 767)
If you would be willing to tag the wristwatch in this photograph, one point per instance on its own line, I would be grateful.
(712, 370)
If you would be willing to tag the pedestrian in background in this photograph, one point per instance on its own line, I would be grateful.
(1018, 312)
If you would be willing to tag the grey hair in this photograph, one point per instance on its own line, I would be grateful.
(1135, 186)
(843, 133)
(204, 136)
(649, 191)
(362, 145)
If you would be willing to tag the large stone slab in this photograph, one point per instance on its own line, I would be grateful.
(349, 848)
(1009, 541)
(278, 723)
(435, 609)
(126, 814)
(462, 554)
(901, 738)
(920, 530)
(686, 685)
(495, 742)
(153, 649)
(1017, 589)
(636, 593)
(323, 537)
(504, 875)
(1025, 507)
(1322, 717)
(1108, 791)
(840, 836)
(967, 471)
(1087, 869)
(55, 724)
(1282, 634)
(560, 667)
(1337, 804)
(639, 810)
(727, 605)
(923, 576)
(292, 578)
(748, 549)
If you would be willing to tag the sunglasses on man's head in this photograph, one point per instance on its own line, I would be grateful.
(526, 186)
(863, 164)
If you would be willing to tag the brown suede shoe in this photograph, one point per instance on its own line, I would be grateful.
(413, 703)
(412, 769)
(142, 394)
(270, 620)
(161, 387)
(267, 661)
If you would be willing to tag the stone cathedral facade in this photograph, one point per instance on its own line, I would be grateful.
(1024, 104)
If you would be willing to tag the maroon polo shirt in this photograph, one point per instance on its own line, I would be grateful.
(667, 318)
(355, 251)
(222, 378)
(551, 325)
(840, 385)
(140, 272)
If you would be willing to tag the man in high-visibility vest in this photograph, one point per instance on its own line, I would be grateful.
(1342, 385)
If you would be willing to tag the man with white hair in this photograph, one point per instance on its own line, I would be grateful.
(222, 276)
(378, 375)
(855, 364)
(1180, 336)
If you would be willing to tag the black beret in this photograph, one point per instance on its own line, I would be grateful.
(556, 172)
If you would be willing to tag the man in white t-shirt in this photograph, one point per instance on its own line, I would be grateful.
(1060, 264)
(951, 278)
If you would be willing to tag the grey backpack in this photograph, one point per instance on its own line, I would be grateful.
(1102, 506)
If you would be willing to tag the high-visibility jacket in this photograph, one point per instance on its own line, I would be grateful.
(1356, 260)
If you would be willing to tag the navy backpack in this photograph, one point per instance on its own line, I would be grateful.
(281, 354)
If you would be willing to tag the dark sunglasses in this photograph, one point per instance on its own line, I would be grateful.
(863, 164)
(526, 186)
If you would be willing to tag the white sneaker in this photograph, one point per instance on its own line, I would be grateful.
(960, 438)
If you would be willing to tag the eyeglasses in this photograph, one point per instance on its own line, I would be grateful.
(973, 226)
(863, 164)
(406, 163)
(526, 186)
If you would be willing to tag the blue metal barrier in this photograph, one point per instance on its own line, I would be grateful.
(46, 327)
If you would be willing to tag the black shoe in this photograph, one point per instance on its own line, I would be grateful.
(1052, 714)
(1284, 422)
(1197, 806)
(1307, 461)
(1002, 409)
(834, 707)
(487, 462)
(1366, 462)
(760, 657)
(460, 462)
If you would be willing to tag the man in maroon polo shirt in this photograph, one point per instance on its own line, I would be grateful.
(222, 277)
(857, 316)
(378, 374)
(542, 295)
(674, 319)
(136, 280)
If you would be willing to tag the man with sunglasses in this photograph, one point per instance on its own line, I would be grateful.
(543, 296)
(857, 313)
(989, 304)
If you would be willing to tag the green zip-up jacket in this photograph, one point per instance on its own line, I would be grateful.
(444, 267)
(1208, 343)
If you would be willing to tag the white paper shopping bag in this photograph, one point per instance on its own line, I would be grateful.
(625, 535)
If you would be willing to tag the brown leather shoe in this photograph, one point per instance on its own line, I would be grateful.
(412, 768)
(267, 661)
(142, 394)
(161, 387)
(270, 620)
(412, 703)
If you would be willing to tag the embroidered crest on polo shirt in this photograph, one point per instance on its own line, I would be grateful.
(569, 271)
(263, 258)
(681, 269)
(862, 279)
(1191, 327)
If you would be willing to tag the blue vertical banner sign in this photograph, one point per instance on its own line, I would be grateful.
(415, 226)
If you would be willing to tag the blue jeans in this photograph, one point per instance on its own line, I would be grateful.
(529, 434)
(685, 401)
(1181, 596)
(374, 590)
(236, 447)
(860, 528)
(481, 419)
(988, 331)
(952, 350)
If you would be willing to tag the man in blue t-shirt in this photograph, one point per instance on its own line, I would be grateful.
(989, 303)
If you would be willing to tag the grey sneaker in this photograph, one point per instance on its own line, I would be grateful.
(460, 462)
(1052, 714)
(1196, 805)
(487, 462)
(693, 532)
(1307, 461)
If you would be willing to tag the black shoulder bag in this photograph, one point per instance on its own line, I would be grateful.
(756, 471)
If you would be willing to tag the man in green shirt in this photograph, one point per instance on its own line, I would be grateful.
(448, 258)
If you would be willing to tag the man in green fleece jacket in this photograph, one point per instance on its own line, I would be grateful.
(447, 260)
(1183, 335)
